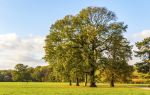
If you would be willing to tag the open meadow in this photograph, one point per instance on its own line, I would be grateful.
(46, 88)
(74, 47)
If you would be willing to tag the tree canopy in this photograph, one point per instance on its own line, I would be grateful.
(80, 42)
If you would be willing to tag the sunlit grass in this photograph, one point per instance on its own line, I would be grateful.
(19, 88)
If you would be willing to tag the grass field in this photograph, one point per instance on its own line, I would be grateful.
(19, 88)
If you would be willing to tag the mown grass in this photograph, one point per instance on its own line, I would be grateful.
(19, 88)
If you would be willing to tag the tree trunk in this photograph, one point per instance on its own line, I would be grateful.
(149, 67)
(112, 81)
(70, 82)
(92, 77)
(85, 79)
(149, 62)
(77, 81)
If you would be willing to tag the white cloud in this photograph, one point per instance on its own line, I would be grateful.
(29, 50)
(14, 50)
(141, 35)
(145, 33)
(134, 59)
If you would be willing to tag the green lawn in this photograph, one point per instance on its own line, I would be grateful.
(63, 89)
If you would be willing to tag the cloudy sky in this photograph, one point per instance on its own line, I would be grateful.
(25, 23)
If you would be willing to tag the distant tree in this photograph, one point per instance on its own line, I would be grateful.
(1, 78)
(7, 78)
(144, 53)
(45, 71)
(6, 75)
(87, 33)
(38, 74)
(21, 73)
(16, 76)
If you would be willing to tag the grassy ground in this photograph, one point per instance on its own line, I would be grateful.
(63, 89)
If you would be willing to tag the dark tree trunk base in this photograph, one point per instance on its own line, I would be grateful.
(92, 77)
(77, 82)
(70, 82)
(93, 84)
(86, 79)
(112, 85)
(112, 81)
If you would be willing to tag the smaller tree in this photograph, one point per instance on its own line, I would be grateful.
(116, 67)
(144, 53)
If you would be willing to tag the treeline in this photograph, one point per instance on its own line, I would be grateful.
(24, 73)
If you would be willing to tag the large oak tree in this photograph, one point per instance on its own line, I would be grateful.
(82, 37)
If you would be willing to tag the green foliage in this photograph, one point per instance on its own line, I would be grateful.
(40, 73)
(5, 75)
(21, 73)
(139, 77)
(78, 44)
(144, 53)
(115, 66)
(37, 74)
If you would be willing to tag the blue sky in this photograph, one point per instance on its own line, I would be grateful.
(21, 20)
(35, 16)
